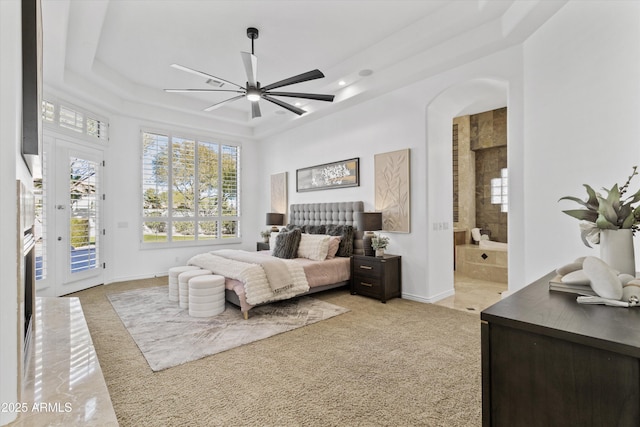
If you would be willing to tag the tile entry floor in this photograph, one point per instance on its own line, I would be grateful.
(473, 295)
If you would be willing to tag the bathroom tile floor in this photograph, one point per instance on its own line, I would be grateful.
(473, 295)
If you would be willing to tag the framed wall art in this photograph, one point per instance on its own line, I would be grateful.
(392, 190)
(279, 193)
(345, 173)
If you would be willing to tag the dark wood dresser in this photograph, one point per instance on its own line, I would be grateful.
(549, 361)
(377, 277)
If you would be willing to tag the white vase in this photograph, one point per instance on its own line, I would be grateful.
(616, 249)
(379, 252)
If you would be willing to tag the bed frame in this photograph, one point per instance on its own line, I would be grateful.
(340, 213)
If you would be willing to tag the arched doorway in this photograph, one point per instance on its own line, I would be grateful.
(470, 97)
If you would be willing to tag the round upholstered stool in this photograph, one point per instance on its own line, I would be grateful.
(183, 285)
(206, 295)
(173, 280)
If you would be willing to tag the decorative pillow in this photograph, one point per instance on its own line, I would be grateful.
(334, 245)
(346, 241)
(313, 246)
(272, 240)
(315, 229)
(287, 243)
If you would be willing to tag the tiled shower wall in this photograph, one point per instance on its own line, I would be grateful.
(487, 143)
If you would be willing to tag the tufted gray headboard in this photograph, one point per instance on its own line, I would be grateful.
(341, 213)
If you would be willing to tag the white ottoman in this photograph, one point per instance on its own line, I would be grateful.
(206, 296)
(183, 285)
(173, 280)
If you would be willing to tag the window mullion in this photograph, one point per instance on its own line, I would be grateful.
(220, 193)
(196, 188)
(170, 188)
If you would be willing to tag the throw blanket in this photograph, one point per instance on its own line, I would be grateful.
(274, 268)
(256, 286)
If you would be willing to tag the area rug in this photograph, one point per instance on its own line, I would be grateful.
(167, 336)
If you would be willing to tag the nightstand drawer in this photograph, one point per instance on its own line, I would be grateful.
(367, 285)
(366, 267)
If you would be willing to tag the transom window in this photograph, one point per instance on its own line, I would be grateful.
(190, 190)
(75, 119)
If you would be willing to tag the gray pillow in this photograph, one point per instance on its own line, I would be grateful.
(290, 227)
(287, 244)
(315, 229)
(346, 242)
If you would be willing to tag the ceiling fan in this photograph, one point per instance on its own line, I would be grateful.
(252, 90)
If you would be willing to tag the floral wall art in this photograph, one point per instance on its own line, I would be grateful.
(392, 190)
(344, 173)
(279, 193)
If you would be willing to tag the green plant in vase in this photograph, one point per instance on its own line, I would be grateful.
(379, 244)
(606, 212)
(265, 234)
(610, 219)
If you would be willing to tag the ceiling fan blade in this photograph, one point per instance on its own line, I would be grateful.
(201, 74)
(251, 67)
(221, 103)
(298, 111)
(314, 96)
(202, 90)
(309, 75)
(255, 110)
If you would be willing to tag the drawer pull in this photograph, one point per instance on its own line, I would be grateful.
(366, 267)
(369, 285)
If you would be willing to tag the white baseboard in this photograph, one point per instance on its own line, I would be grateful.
(431, 300)
(140, 277)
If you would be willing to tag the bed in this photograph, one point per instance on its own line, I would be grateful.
(309, 274)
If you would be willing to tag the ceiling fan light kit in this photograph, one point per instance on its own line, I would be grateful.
(252, 89)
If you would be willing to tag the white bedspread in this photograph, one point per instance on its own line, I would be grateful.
(256, 286)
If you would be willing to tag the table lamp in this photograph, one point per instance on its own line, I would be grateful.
(369, 222)
(275, 219)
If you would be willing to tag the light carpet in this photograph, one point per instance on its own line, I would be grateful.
(167, 336)
(403, 363)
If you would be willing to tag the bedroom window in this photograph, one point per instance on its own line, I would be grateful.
(190, 190)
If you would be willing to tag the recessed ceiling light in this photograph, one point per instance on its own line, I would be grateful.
(342, 83)
(297, 104)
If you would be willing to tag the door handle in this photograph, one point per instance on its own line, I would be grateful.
(59, 238)
(60, 207)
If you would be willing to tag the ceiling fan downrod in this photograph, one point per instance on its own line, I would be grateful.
(252, 33)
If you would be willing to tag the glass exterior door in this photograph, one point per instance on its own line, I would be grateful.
(78, 211)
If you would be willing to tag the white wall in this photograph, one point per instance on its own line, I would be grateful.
(396, 121)
(581, 104)
(357, 132)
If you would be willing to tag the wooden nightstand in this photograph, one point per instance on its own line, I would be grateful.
(377, 277)
(262, 246)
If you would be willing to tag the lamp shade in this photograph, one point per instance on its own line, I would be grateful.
(275, 218)
(369, 221)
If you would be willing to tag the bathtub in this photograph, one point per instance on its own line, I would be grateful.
(484, 263)
(490, 244)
